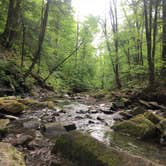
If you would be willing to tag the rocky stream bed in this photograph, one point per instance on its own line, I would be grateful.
(34, 132)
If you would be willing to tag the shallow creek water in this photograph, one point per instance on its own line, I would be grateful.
(89, 118)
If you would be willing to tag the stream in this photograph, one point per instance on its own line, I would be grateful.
(88, 117)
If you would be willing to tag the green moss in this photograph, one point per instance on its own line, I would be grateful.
(138, 126)
(11, 106)
(153, 117)
(9, 156)
(34, 104)
(3, 126)
(137, 111)
(85, 150)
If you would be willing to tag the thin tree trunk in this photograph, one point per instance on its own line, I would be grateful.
(62, 62)
(40, 40)
(23, 44)
(151, 26)
(164, 38)
(114, 24)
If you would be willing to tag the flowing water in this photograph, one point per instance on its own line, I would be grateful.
(89, 118)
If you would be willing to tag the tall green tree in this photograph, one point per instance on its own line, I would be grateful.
(13, 22)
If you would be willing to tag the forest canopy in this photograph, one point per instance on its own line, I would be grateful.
(46, 42)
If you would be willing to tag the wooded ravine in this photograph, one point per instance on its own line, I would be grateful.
(88, 92)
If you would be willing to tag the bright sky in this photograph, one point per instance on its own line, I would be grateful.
(94, 7)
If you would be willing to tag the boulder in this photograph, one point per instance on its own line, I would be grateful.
(34, 104)
(55, 129)
(153, 117)
(162, 128)
(138, 126)
(126, 114)
(117, 105)
(9, 156)
(22, 139)
(137, 111)
(87, 151)
(11, 106)
(3, 125)
(145, 104)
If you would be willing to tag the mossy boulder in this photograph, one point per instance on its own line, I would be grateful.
(137, 111)
(9, 156)
(84, 150)
(3, 125)
(11, 106)
(162, 128)
(34, 104)
(153, 117)
(138, 126)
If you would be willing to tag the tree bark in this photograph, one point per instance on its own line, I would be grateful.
(164, 38)
(151, 32)
(12, 27)
(114, 24)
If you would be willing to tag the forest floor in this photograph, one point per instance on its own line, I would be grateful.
(33, 132)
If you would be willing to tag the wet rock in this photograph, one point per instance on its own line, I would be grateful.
(91, 122)
(162, 128)
(9, 156)
(79, 117)
(108, 111)
(126, 115)
(117, 105)
(3, 125)
(93, 111)
(11, 106)
(32, 124)
(139, 126)
(82, 111)
(100, 119)
(61, 111)
(34, 104)
(137, 111)
(22, 140)
(152, 105)
(84, 150)
(87, 116)
(69, 126)
(55, 129)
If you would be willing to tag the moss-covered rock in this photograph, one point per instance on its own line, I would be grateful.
(162, 128)
(153, 117)
(9, 156)
(11, 106)
(86, 151)
(139, 126)
(34, 104)
(3, 125)
(137, 111)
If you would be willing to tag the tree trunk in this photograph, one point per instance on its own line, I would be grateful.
(151, 32)
(40, 40)
(164, 38)
(114, 24)
(12, 27)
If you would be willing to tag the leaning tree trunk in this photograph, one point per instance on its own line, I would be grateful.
(13, 22)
